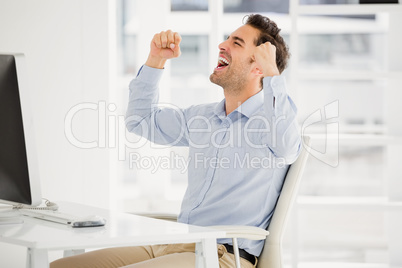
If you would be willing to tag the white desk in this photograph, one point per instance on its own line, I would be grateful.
(121, 229)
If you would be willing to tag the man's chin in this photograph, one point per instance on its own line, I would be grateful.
(214, 79)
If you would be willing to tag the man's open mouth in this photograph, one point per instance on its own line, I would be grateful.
(222, 63)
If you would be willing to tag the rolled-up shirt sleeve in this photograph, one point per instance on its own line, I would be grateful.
(284, 139)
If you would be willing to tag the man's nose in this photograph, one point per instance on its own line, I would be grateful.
(223, 45)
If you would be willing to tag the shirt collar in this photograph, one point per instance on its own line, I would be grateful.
(247, 108)
(220, 109)
(252, 104)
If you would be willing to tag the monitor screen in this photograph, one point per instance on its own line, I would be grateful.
(19, 178)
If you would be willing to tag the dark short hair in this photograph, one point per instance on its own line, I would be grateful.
(269, 31)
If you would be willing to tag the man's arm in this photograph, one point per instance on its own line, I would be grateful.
(284, 138)
(144, 117)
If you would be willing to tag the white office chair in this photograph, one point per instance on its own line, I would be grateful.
(271, 256)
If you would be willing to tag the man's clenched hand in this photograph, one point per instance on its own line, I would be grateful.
(164, 45)
(265, 57)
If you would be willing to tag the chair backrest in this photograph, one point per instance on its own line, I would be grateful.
(271, 256)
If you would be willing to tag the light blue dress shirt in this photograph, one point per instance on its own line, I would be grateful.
(237, 162)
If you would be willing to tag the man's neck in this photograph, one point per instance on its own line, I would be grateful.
(235, 99)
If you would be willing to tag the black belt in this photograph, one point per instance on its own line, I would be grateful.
(244, 254)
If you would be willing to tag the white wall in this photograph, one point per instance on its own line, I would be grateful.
(68, 53)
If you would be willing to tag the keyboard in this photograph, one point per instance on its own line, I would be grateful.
(64, 218)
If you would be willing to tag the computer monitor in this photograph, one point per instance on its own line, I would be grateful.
(19, 176)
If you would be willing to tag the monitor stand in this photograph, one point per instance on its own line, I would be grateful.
(8, 215)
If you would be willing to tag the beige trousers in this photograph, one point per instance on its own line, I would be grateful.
(159, 256)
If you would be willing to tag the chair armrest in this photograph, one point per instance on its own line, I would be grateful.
(232, 231)
(240, 231)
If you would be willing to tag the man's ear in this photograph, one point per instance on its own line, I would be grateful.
(256, 71)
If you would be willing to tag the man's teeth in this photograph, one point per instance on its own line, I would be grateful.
(223, 61)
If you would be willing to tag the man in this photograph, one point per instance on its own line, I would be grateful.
(239, 149)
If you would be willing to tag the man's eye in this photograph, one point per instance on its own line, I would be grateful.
(237, 44)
